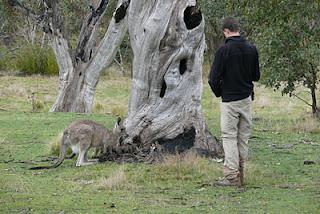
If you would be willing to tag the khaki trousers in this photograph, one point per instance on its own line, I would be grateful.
(236, 122)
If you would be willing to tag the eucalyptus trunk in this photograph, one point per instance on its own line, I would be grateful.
(79, 69)
(79, 73)
(167, 38)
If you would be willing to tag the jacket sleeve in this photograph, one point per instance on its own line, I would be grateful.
(256, 70)
(216, 72)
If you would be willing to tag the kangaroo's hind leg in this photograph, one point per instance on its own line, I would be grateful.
(82, 161)
(84, 145)
(82, 158)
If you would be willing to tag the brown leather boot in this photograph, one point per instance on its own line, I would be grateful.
(229, 182)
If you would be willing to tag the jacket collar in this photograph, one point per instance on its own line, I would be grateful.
(235, 38)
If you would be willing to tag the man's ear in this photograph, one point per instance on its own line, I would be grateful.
(226, 31)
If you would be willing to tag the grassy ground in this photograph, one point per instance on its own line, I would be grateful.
(284, 136)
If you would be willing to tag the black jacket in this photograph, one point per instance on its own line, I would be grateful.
(235, 66)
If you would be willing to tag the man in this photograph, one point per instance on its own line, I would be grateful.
(235, 66)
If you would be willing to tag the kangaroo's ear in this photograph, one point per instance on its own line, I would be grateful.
(119, 120)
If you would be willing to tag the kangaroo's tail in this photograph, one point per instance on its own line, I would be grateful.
(62, 156)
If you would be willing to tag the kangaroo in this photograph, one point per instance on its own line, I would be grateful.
(81, 136)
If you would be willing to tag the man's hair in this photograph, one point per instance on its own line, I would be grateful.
(231, 24)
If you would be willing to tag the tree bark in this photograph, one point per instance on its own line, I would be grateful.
(313, 87)
(79, 71)
(78, 82)
(167, 38)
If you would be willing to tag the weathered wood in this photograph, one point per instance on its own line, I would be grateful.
(167, 38)
(78, 94)
(103, 57)
(88, 34)
(79, 70)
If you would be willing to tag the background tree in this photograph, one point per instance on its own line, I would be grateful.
(290, 47)
(80, 68)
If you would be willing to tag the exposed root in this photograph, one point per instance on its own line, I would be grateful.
(154, 153)
(133, 154)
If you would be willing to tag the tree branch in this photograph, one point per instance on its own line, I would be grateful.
(303, 100)
(105, 53)
(88, 34)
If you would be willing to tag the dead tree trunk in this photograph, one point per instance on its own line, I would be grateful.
(167, 38)
(79, 70)
(78, 80)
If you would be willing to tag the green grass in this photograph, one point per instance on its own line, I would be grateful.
(284, 135)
